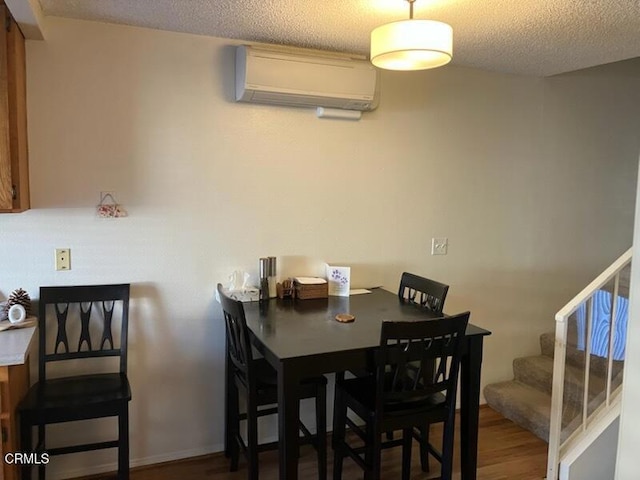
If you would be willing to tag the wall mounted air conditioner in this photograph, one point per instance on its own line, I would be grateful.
(292, 79)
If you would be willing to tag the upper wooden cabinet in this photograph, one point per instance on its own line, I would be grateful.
(14, 156)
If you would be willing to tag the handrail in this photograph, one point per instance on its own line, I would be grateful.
(556, 445)
(600, 281)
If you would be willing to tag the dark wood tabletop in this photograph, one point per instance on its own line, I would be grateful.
(298, 328)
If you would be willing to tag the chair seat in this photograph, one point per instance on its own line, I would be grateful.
(267, 383)
(71, 396)
(363, 391)
(267, 375)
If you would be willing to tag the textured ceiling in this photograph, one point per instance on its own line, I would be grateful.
(529, 37)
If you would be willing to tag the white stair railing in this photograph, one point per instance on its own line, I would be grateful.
(598, 315)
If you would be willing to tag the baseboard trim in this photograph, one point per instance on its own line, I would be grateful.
(139, 463)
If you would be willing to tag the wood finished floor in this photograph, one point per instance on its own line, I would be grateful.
(505, 452)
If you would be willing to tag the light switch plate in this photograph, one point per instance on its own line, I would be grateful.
(63, 259)
(439, 245)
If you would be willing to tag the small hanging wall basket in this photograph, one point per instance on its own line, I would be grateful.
(109, 208)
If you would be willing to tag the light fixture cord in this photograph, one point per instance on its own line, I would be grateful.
(411, 2)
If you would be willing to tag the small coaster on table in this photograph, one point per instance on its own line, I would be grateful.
(345, 318)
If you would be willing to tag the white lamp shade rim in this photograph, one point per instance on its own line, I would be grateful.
(434, 59)
(412, 45)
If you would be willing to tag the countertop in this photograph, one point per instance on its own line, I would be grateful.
(15, 345)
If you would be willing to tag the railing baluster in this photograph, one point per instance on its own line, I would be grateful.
(612, 332)
(587, 363)
(557, 394)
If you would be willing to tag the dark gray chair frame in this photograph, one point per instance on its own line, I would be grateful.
(431, 295)
(79, 397)
(423, 291)
(259, 382)
(400, 398)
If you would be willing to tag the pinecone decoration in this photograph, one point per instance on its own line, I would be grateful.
(19, 297)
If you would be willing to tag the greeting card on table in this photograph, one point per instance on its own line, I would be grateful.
(339, 279)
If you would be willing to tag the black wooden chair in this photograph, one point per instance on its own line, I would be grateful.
(431, 295)
(258, 380)
(398, 398)
(68, 312)
(423, 291)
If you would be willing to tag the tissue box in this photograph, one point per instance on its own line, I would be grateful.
(245, 295)
(305, 290)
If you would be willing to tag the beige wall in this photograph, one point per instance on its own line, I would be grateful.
(532, 181)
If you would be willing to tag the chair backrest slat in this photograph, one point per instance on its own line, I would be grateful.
(61, 317)
(237, 333)
(85, 316)
(423, 291)
(70, 308)
(107, 332)
(419, 359)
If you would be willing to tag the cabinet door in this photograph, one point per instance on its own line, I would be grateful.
(3, 433)
(14, 383)
(6, 177)
(14, 165)
(5, 418)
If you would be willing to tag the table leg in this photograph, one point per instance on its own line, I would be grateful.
(469, 407)
(288, 420)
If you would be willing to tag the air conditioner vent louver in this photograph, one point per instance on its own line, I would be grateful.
(304, 81)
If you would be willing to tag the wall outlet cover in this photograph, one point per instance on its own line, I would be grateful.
(439, 245)
(63, 259)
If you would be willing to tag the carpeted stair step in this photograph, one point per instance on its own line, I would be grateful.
(522, 404)
(548, 343)
(537, 372)
(576, 358)
(528, 407)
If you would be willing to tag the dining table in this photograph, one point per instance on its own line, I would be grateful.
(301, 339)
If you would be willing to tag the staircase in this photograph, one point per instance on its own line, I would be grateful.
(526, 400)
(570, 393)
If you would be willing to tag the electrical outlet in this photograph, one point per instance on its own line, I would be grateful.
(439, 246)
(63, 259)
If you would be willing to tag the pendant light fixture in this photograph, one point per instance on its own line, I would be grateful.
(411, 44)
